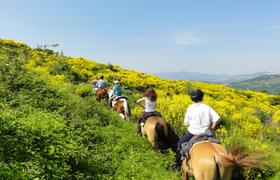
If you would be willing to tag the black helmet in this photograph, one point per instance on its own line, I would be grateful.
(196, 95)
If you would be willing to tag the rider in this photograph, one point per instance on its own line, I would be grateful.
(117, 88)
(150, 101)
(100, 83)
(200, 118)
(117, 91)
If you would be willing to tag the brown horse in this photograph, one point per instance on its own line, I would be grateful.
(101, 94)
(159, 133)
(121, 106)
(210, 161)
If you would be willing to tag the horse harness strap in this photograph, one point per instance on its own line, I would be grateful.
(186, 147)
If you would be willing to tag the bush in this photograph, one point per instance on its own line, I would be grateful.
(274, 101)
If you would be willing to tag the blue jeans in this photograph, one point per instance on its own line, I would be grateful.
(185, 138)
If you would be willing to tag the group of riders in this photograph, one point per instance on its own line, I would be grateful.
(200, 118)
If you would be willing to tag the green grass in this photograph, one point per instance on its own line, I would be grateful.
(52, 133)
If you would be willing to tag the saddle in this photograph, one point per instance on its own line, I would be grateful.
(119, 97)
(186, 147)
(146, 115)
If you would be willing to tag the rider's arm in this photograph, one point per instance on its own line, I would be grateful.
(140, 100)
(214, 125)
(215, 119)
(187, 117)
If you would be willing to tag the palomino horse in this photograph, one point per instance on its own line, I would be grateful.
(101, 94)
(159, 133)
(120, 105)
(210, 161)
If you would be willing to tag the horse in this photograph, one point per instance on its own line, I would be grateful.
(120, 105)
(159, 133)
(101, 94)
(210, 161)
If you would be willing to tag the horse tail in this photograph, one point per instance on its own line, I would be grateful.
(233, 157)
(126, 109)
(129, 110)
(106, 95)
(238, 157)
(161, 134)
(172, 138)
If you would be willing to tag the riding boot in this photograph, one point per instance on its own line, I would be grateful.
(139, 129)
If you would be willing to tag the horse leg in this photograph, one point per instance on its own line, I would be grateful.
(126, 110)
(152, 137)
(122, 116)
(184, 170)
(224, 172)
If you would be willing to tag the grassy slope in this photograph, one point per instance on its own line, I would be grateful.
(107, 146)
(52, 132)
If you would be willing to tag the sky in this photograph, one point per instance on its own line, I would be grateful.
(206, 36)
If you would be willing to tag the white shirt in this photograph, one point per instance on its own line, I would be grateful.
(150, 106)
(199, 117)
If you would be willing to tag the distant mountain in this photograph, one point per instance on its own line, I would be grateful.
(216, 78)
(268, 83)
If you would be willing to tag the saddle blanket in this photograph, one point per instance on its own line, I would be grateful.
(186, 147)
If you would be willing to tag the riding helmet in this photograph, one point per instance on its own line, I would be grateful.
(196, 95)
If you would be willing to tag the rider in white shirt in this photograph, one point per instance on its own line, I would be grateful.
(200, 118)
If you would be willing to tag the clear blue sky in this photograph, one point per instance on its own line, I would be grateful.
(210, 36)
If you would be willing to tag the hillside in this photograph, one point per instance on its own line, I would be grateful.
(267, 83)
(53, 127)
